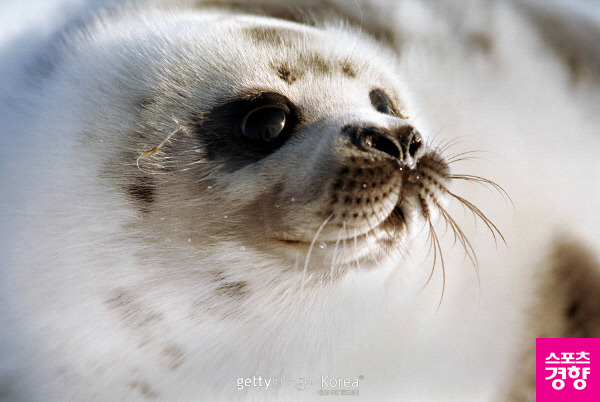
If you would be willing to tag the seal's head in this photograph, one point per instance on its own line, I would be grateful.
(286, 145)
(294, 140)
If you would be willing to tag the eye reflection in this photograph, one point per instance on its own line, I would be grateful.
(264, 124)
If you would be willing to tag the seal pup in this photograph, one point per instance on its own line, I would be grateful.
(204, 194)
(208, 195)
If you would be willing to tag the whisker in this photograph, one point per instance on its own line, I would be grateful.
(380, 218)
(462, 238)
(465, 158)
(431, 246)
(344, 238)
(433, 139)
(310, 248)
(413, 120)
(476, 211)
(451, 158)
(443, 147)
(439, 247)
(356, 250)
(335, 249)
(482, 180)
(438, 172)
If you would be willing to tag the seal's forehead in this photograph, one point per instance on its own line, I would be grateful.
(307, 56)
(281, 36)
(312, 66)
(306, 49)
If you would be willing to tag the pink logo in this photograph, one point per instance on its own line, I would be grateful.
(564, 371)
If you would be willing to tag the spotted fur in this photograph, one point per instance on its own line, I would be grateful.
(150, 250)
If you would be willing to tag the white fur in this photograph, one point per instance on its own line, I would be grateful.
(57, 221)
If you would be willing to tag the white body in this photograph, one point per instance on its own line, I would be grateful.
(91, 324)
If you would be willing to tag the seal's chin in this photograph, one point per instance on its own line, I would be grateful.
(386, 238)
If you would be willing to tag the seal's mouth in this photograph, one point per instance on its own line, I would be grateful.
(390, 212)
(419, 195)
(386, 230)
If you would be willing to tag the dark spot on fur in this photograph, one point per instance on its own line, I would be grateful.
(348, 70)
(232, 289)
(142, 192)
(315, 63)
(304, 61)
(217, 275)
(573, 309)
(567, 304)
(575, 283)
(480, 42)
(575, 66)
(284, 72)
(266, 35)
(43, 66)
(424, 207)
(145, 103)
(174, 356)
(144, 389)
(225, 301)
(133, 313)
(313, 13)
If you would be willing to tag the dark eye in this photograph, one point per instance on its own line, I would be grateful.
(264, 124)
(381, 102)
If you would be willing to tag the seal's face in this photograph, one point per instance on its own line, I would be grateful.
(294, 143)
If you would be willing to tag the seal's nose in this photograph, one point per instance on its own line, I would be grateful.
(374, 139)
(411, 142)
(402, 143)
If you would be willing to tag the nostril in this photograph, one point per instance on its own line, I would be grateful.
(375, 139)
(410, 140)
(415, 144)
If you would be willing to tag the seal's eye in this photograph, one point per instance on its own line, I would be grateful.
(381, 102)
(264, 124)
(263, 121)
